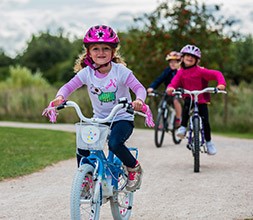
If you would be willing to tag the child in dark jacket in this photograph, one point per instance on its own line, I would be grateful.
(167, 75)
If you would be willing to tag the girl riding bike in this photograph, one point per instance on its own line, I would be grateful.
(107, 79)
(193, 77)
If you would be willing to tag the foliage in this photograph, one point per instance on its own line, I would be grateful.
(171, 26)
(21, 154)
(5, 62)
(21, 77)
(241, 66)
(240, 115)
(25, 95)
(45, 51)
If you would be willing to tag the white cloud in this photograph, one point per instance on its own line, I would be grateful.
(19, 19)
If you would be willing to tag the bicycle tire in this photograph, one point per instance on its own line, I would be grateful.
(175, 138)
(196, 147)
(160, 127)
(122, 201)
(83, 205)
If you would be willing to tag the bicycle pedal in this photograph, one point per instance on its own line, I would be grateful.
(189, 147)
(202, 149)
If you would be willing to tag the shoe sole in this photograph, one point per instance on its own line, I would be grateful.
(211, 154)
(181, 136)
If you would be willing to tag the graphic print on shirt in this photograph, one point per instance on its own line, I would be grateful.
(106, 93)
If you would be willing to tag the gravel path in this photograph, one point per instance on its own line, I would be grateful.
(222, 190)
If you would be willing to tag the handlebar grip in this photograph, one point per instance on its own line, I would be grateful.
(61, 106)
(181, 90)
(130, 111)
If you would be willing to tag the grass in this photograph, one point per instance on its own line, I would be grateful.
(24, 151)
(235, 135)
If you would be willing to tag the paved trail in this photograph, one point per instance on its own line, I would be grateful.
(222, 190)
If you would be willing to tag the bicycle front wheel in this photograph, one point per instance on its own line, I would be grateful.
(160, 128)
(196, 147)
(83, 205)
(122, 201)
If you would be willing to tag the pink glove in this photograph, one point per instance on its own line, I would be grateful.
(50, 112)
(149, 119)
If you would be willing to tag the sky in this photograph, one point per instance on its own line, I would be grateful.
(20, 19)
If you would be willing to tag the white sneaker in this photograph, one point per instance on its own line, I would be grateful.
(181, 132)
(211, 150)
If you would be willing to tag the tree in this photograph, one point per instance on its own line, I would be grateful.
(5, 62)
(244, 60)
(171, 26)
(44, 52)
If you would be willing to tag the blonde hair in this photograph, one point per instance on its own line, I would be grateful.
(79, 63)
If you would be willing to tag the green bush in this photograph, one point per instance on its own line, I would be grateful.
(238, 115)
(25, 95)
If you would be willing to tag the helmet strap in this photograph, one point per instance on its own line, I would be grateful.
(89, 62)
(103, 65)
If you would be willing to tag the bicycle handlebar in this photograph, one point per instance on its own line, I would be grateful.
(115, 109)
(197, 92)
(156, 93)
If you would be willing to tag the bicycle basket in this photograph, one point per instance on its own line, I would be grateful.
(91, 136)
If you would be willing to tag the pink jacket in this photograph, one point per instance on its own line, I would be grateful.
(197, 78)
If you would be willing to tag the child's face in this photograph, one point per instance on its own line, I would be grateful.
(174, 64)
(189, 60)
(100, 53)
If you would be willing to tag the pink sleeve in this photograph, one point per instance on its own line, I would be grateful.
(214, 75)
(70, 87)
(138, 89)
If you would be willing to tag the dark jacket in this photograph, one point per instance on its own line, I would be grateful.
(165, 78)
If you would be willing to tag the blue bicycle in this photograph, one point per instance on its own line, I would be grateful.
(196, 137)
(99, 178)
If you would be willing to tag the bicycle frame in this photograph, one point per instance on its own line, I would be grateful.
(166, 107)
(105, 167)
(165, 119)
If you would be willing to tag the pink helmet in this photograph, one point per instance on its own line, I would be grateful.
(191, 49)
(101, 34)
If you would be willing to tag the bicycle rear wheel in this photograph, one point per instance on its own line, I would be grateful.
(196, 147)
(122, 201)
(160, 128)
(83, 205)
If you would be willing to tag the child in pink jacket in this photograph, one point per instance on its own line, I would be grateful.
(193, 77)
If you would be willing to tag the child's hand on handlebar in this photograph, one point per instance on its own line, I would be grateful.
(221, 87)
(149, 90)
(58, 100)
(137, 104)
(50, 111)
(169, 90)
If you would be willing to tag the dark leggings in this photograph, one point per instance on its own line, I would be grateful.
(203, 112)
(120, 132)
